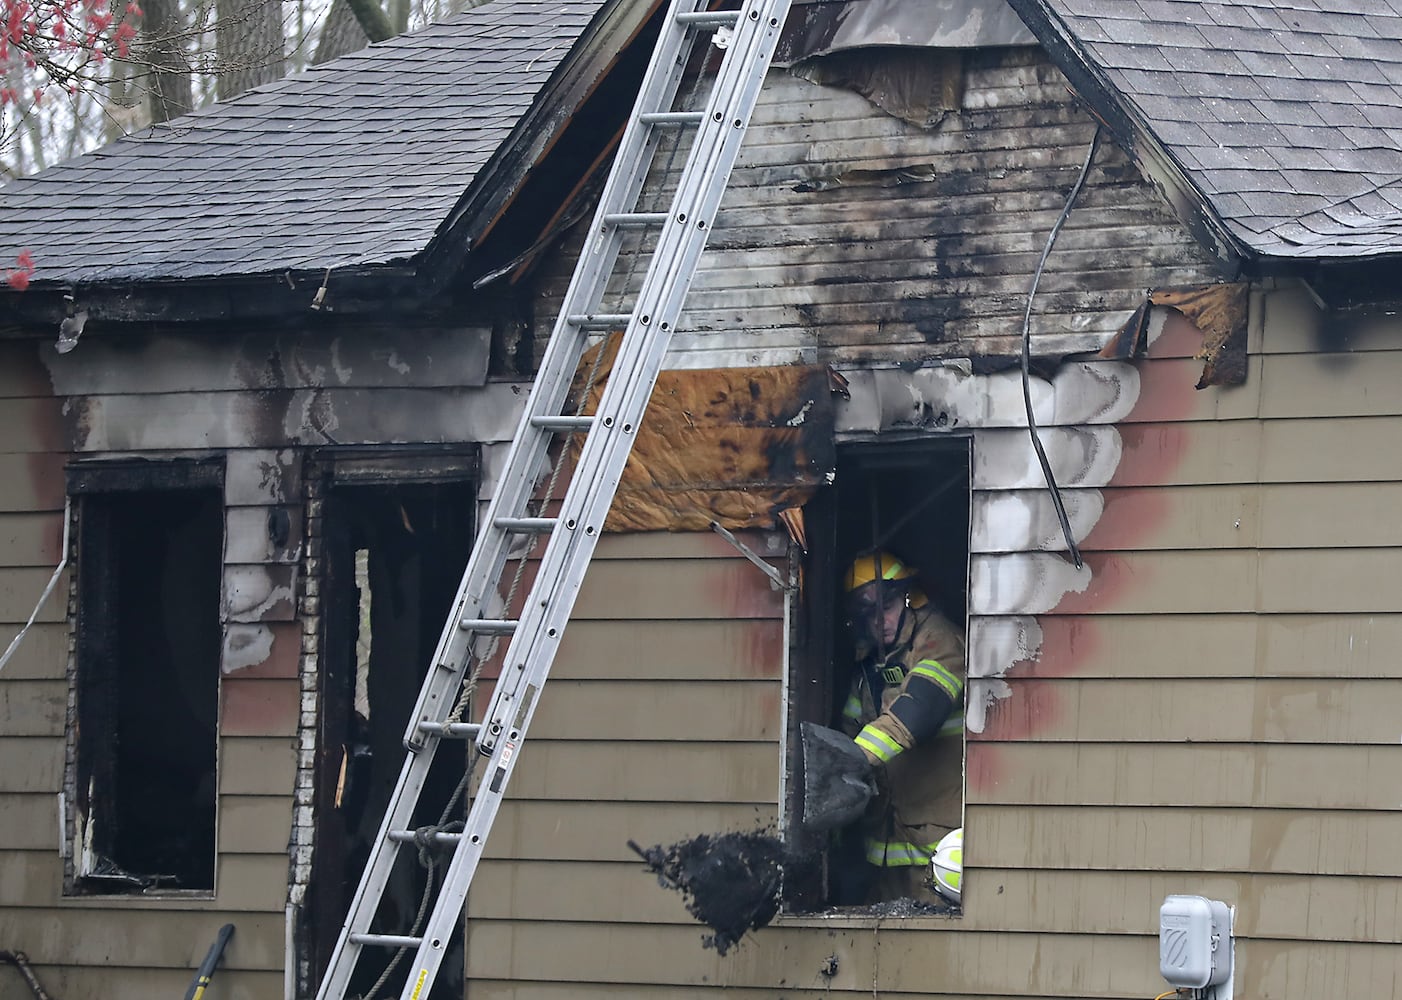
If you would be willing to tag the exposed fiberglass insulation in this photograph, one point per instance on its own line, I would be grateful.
(733, 446)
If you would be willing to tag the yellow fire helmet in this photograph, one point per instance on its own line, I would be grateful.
(877, 565)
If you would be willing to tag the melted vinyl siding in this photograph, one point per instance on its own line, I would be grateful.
(847, 233)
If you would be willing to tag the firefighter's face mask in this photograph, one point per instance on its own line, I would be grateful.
(875, 611)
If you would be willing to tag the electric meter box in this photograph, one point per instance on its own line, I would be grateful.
(1195, 941)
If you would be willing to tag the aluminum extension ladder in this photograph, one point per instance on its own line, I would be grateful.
(749, 37)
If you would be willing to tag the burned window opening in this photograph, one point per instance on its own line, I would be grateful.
(146, 677)
(909, 499)
(394, 553)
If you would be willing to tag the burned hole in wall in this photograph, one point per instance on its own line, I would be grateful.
(909, 499)
(394, 553)
(146, 678)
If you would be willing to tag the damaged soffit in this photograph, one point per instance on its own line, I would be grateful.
(827, 26)
(902, 55)
(1279, 126)
(365, 162)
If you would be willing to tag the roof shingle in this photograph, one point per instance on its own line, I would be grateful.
(1323, 96)
(365, 156)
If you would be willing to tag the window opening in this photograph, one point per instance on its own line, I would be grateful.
(394, 556)
(879, 659)
(147, 681)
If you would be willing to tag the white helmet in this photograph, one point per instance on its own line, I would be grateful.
(947, 866)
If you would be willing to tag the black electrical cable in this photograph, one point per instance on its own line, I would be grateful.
(1027, 354)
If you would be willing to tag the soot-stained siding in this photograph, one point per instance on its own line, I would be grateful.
(848, 235)
(255, 401)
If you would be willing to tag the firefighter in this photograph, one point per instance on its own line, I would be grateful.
(905, 711)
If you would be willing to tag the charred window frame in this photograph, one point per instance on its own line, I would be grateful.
(911, 496)
(143, 750)
(393, 533)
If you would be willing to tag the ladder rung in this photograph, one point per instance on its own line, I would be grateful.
(635, 220)
(600, 321)
(709, 18)
(407, 837)
(562, 423)
(387, 940)
(488, 626)
(451, 730)
(527, 525)
(672, 117)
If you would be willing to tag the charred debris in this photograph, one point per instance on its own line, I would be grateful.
(733, 882)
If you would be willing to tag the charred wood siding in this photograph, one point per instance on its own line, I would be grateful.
(848, 234)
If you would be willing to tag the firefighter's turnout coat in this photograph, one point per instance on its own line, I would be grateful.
(906, 712)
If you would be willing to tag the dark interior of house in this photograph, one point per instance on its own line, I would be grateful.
(149, 701)
(394, 557)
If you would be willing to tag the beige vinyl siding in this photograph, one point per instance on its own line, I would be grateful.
(662, 719)
(1210, 775)
(95, 981)
(910, 961)
(246, 883)
(1347, 908)
(553, 991)
(132, 945)
(33, 685)
(1215, 712)
(1222, 645)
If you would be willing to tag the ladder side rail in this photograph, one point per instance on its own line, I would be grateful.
(530, 445)
(587, 503)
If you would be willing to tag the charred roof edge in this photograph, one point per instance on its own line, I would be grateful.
(497, 184)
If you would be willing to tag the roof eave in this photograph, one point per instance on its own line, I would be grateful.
(1136, 137)
(263, 297)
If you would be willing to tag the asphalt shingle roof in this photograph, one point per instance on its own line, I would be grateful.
(1285, 114)
(356, 162)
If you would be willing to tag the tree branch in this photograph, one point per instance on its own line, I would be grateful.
(373, 19)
